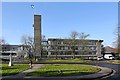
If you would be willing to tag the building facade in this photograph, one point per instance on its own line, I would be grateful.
(17, 51)
(72, 47)
(60, 48)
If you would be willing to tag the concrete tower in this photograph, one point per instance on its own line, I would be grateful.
(99, 48)
(37, 35)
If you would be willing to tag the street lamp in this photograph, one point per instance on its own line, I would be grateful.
(33, 7)
(119, 40)
(35, 56)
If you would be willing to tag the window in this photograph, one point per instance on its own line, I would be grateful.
(93, 48)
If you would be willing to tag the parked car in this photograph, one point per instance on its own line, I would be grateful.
(109, 56)
(100, 58)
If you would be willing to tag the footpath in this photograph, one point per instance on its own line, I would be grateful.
(22, 76)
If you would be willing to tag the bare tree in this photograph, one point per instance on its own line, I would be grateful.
(84, 42)
(83, 36)
(44, 46)
(3, 45)
(43, 38)
(55, 47)
(3, 41)
(119, 40)
(73, 37)
(28, 41)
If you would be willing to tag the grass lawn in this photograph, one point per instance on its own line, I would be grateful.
(10, 70)
(61, 60)
(115, 61)
(50, 70)
(69, 60)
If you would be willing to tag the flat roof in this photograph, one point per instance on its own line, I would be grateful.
(57, 39)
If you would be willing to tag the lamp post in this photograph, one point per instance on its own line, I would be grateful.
(119, 40)
(33, 7)
(118, 29)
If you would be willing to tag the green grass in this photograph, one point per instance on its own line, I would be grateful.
(64, 70)
(115, 61)
(11, 70)
(61, 60)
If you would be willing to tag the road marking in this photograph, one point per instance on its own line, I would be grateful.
(108, 75)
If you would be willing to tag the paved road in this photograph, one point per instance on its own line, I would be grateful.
(115, 67)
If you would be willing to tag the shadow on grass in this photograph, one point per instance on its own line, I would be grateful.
(58, 73)
(5, 68)
(9, 74)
